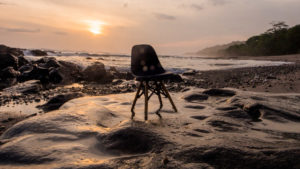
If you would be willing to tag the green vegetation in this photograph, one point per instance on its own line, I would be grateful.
(279, 40)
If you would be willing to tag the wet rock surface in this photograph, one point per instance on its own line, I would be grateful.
(95, 132)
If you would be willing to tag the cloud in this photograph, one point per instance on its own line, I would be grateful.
(2, 3)
(125, 5)
(20, 30)
(197, 7)
(60, 33)
(219, 2)
(162, 16)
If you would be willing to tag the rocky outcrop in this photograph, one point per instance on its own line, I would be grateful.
(11, 57)
(7, 60)
(9, 72)
(120, 75)
(49, 70)
(97, 73)
(38, 53)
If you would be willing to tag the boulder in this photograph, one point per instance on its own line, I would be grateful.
(38, 53)
(58, 100)
(120, 75)
(97, 73)
(22, 61)
(14, 51)
(24, 68)
(47, 62)
(55, 76)
(70, 72)
(49, 70)
(36, 72)
(9, 72)
(8, 60)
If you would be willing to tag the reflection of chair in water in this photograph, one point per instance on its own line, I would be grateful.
(147, 69)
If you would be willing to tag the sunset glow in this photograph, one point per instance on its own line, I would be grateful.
(95, 27)
(173, 27)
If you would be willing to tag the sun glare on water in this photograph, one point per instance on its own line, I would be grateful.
(95, 27)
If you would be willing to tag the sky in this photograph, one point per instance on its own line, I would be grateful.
(173, 27)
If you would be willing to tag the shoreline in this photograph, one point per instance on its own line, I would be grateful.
(286, 58)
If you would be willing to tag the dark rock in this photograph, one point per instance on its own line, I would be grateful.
(113, 69)
(58, 100)
(49, 70)
(253, 110)
(38, 53)
(25, 68)
(31, 86)
(22, 61)
(189, 73)
(8, 60)
(97, 73)
(196, 97)
(48, 62)
(129, 76)
(70, 72)
(7, 83)
(8, 50)
(175, 78)
(9, 72)
(219, 92)
(36, 72)
(55, 76)
(271, 77)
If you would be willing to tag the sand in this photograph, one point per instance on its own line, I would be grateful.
(226, 129)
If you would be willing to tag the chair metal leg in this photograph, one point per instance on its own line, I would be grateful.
(135, 99)
(160, 105)
(146, 100)
(169, 96)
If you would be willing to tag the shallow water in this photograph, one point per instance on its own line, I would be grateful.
(176, 64)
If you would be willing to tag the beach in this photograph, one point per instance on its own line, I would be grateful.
(241, 117)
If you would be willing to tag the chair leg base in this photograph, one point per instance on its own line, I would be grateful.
(158, 89)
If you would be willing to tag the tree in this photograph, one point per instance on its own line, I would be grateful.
(277, 26)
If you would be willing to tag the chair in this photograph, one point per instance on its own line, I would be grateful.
(147, 69)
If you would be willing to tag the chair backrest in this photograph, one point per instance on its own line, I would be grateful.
(144, 61)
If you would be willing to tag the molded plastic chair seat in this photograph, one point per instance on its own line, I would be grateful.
(155, 77)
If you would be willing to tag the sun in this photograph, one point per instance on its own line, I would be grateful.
(95, 26)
